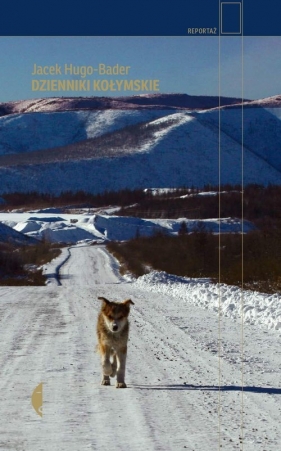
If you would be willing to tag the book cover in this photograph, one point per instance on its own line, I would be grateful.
(140, 163)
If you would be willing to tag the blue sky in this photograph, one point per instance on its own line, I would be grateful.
(182, 64)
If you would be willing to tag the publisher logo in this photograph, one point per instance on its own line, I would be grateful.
(37, 399)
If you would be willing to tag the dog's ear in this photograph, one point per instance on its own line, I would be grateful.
(104, 299)
(128, 301)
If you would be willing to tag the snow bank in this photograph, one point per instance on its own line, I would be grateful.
(72, 228)
(9, 235)
(67, 229)
(61, 232)
(254, 308)
(126, 227)
(27, 226)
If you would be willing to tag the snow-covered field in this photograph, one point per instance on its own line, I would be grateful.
(197, 379)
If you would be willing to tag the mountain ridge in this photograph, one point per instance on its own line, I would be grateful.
(146, 101)
(141, 148)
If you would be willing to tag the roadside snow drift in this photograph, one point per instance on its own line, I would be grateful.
(254, 308)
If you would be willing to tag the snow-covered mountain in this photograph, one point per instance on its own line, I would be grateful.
(160, 141)
(36, 131)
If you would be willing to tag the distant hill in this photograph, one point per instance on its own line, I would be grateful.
(72, 144)
(146, 101)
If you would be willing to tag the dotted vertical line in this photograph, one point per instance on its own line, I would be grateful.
(219, 243)
(242, 240)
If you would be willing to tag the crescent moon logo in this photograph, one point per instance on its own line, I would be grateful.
(37, 399)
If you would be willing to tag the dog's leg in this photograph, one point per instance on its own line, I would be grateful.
(113, 366)
(121, 360)
(106, 365)
(105, 380)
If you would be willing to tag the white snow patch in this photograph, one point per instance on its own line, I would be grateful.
(126, 227)
(67, 228)
(255, 308)
(73, 228)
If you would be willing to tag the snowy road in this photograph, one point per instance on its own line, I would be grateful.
(180, 394)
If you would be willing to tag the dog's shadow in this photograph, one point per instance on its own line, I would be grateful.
(209, 388)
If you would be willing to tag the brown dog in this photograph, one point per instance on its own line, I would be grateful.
(113, 331)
